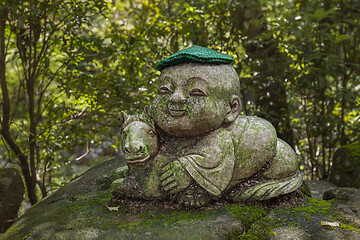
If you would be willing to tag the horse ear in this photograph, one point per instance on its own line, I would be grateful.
(147, 110)
(123, 118)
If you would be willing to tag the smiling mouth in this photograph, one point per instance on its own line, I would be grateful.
(177, 113)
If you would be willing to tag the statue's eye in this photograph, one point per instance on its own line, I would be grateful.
(164, 90)
(197, 92)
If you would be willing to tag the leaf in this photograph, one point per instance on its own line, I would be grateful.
(341, 38)
(320, 14)
(330, 224)
(116, 209)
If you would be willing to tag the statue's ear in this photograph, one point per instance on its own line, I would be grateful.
(123, 118)
(235, 107)
(147, 110)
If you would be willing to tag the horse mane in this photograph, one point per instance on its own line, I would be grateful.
(139, 117)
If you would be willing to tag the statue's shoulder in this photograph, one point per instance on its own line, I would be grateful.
(250, 125)
(257, 122)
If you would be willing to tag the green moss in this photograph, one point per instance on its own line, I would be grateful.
(260, 231)
(247, 214)
(86, 206)
(263, 228)
(27, 236)
(234, 234)
(349, 227)
(13, 229)
(149, 218)
(313, 206)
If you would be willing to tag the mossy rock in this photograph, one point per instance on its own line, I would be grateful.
(313, 219)
(11, 195)
(83, 209)
(345, 170)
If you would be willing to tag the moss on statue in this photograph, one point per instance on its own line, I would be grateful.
(200, 100)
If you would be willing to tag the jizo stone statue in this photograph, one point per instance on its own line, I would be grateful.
(192, 145)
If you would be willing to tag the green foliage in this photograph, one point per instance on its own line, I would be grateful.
(324, 64)
(353, 150)
(38, 40)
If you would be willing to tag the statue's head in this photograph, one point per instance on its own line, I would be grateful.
(138, 138)
(196, 97)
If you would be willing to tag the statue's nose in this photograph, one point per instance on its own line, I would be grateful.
(178, 98)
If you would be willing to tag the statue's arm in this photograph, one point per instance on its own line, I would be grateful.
(210, 163)
(174, 177)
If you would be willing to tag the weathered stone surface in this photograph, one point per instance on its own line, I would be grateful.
(317, 188)
(270, 189)
(192, 143)
(313, 219)
(217, 162)
(11, 195)
(81, 210)
(345, 171)
(346, 202)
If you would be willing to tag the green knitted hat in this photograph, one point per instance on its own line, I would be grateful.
(195, 54)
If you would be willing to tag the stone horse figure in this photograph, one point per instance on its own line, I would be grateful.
(140, 178)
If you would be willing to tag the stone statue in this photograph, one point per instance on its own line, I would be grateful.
(193, 146)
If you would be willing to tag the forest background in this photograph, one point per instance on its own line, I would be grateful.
(68, 67)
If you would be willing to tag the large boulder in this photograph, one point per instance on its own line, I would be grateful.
(345, 170)
(11, 195)
(83, 209)
(318, 187)
(347, 202)
(335, 218)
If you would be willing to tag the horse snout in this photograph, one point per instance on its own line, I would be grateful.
(134, 148)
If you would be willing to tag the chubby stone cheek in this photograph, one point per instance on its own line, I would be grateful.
(209, 113)
(159, 108)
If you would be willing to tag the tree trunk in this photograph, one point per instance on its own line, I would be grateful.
(5, 121)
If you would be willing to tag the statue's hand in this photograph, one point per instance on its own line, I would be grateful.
(175, 178)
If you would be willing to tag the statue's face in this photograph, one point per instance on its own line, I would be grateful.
(191, 100)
